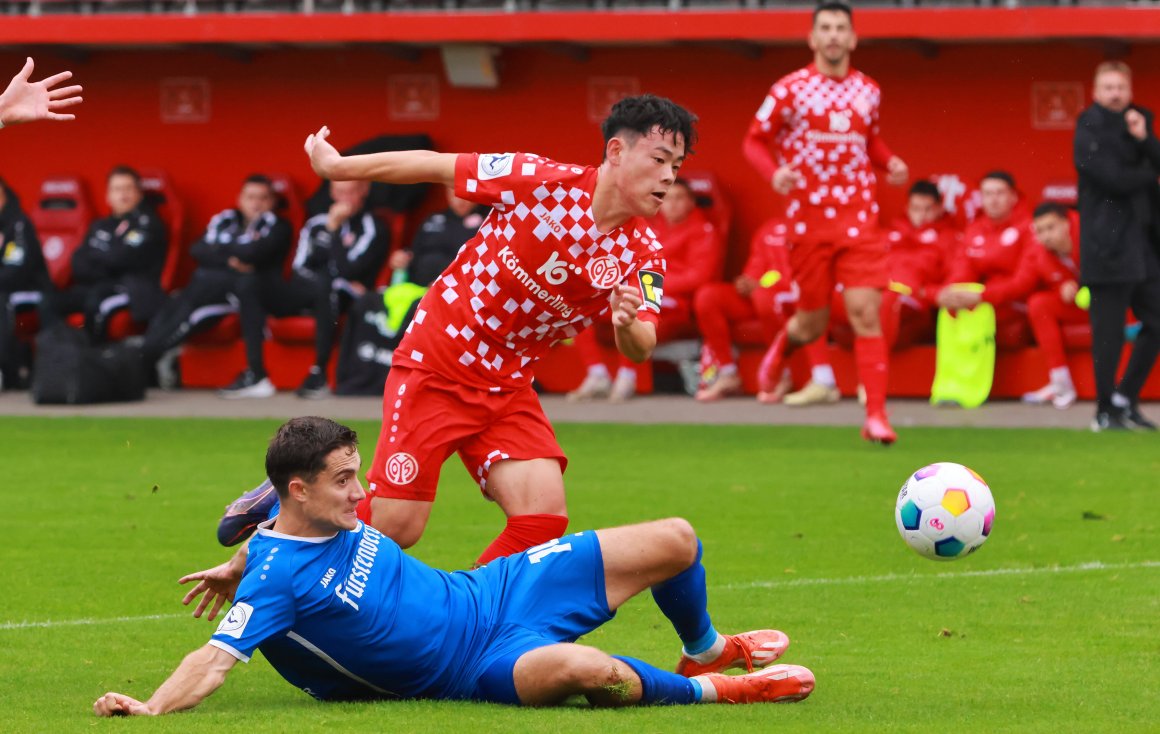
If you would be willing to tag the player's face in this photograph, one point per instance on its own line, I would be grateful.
(255, 200)
(122, 194)
(1054, 233)
(1113, 91)
(998, 198)
(832, 36)
(334, 494)
(351, 193)
(921, 210)
(678, 204)
(648, 166)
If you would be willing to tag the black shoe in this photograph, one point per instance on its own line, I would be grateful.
(1113, 420)
(314, 386)
(1135, 419)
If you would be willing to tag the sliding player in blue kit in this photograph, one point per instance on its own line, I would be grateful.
(342, 613)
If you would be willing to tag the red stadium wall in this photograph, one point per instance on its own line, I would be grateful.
(965, 109)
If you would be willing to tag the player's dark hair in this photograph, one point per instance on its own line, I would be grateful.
(925, 188)
(1049, 207)
(999, 175)
(833, 7)
(640, 114)
(124, 171)
(300, 447)
(258, 178)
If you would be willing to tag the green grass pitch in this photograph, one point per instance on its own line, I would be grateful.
(1054, 625)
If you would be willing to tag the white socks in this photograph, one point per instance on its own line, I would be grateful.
(823, 374)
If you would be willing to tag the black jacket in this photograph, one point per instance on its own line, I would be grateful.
(129, 252)
(356, 252)
(22, 266)
(438, 241)
(1119, 198)
(262, 244)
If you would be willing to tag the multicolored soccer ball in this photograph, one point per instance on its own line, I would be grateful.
(945, 511)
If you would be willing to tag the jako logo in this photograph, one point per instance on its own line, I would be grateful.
(604, 271)
(401, 468)
(839, 123)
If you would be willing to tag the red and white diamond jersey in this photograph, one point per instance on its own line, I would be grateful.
(827, 130)
(536, 272)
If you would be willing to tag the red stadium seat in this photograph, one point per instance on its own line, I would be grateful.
(1060, 192)
(159, 190)
(711, 198)
(62, 214)
(290, 204)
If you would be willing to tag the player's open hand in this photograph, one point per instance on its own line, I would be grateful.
(897, 172)
(219, 584)
(1137, 125)
(25, 101)
(785, 180)
(625, 300)
(323, 156)
(118, 704)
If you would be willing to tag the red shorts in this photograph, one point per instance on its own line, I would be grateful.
(427, 417)
(819, 265)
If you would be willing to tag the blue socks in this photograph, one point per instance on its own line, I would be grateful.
(684, 600)
(660, 686)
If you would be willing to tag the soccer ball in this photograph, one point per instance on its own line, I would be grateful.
(944, 511)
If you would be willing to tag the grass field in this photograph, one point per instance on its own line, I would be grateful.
(1053, 626)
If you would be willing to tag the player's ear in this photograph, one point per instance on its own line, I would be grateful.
(614, 149)
(853, 41)
(297, 489)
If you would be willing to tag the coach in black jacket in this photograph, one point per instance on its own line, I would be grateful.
(119, 263)
(23, 277)
(1117, 157)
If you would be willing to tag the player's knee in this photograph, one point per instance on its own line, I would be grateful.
(604, 679)
(681, 540)
(402, 529)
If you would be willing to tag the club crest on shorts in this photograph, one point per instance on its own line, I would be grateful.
(401, 468)
(604, 272)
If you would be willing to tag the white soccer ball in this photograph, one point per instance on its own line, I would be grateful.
(944, 511)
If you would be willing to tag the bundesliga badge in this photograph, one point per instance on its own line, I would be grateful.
(652, 289)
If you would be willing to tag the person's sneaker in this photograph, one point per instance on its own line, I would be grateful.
(243, 514)
(1042, 396)
(314, 387)
(1064, 398)
(1110, 420)
(248, 385)
(724, 385)
(168, 372)
(594, 387)
(775, 684)
(775, 396)
(1132, 416)
(748, 650)
(812, 394)
(623, 387)
(877, 429)
(770, 369)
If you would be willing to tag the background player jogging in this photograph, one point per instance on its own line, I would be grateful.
(562, 244)
(814, 139)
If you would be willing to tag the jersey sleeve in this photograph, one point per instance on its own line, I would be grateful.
(767, 122)
(264, 606)
(650, 279)
(496, 179)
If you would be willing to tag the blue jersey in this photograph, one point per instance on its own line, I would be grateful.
(352, 616)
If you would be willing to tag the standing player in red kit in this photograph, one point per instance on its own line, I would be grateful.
(814, 139)
(562, 245)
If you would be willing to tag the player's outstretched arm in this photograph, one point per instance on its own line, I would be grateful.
(397, 167)
(25, 101)
(219, 584)
(200, 674)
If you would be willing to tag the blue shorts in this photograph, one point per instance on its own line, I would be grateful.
(548, 594)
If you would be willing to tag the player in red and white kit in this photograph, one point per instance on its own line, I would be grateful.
(991, 249)
(694, 257)
(563, 245)
(815, 138)
(766, 291)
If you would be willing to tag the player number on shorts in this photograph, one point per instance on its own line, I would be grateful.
(537, 552)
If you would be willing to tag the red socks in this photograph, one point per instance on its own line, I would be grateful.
(870, 360)
(523, 532)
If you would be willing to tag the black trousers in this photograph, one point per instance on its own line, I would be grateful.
(1109, 309)
(265, 295)
(11, 353)
(97, 302)
(197, 307)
